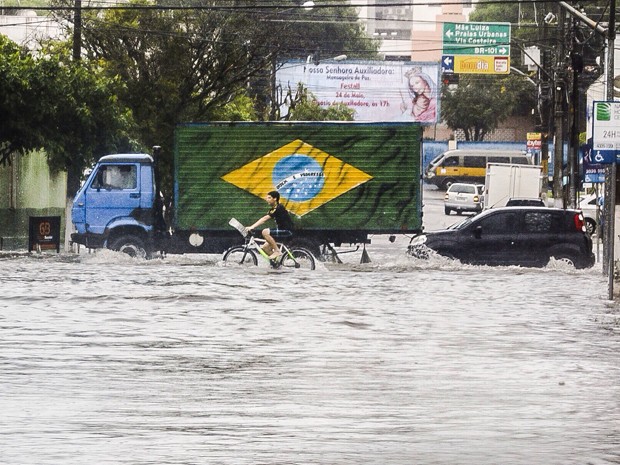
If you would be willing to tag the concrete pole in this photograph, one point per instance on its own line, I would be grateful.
(611, 201)
(559, 93)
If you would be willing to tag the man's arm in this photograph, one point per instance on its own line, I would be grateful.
(260, 221)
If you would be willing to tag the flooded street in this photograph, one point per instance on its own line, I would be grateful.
(111, 360)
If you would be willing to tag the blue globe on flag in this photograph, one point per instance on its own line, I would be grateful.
(298, 177)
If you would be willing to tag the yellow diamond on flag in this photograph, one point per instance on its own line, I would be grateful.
(306, 177)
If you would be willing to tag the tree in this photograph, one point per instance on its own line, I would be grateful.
(480, 103)
(241, 108)
(188, 61)
(303, 106)
(70, 110)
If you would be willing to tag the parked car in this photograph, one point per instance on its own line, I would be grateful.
(525, 202)
(588, 205)
(523, 236)
(463, 197)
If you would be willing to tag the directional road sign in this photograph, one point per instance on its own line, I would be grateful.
(477, 48)
(447, 64)
(476, 39)
(606, 132)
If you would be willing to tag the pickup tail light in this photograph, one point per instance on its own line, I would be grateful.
(580, 224)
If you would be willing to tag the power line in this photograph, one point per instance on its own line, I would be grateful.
(259, 6)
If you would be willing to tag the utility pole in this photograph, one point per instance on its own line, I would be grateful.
(544, 97)
(610, 200)
(577, 68)
(609, 213)
(77, 31)
(559, 93)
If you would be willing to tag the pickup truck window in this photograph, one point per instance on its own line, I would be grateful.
(115, 177)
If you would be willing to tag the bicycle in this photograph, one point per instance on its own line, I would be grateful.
(246, 254)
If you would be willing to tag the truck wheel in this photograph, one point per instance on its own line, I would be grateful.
(131, 245)
(446, 211)
(312, 246)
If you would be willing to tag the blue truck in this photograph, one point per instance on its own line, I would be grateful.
(342, 182)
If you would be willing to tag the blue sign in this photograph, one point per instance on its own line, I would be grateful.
(594, 173)
(604, 156)
(447, 64)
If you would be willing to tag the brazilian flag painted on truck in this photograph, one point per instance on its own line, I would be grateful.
(330, 175)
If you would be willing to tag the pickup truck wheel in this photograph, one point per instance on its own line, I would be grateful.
(446, 211)
(131, 245)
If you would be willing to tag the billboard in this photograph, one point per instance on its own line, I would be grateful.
(375, 90)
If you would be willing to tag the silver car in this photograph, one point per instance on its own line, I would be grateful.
(462, 197)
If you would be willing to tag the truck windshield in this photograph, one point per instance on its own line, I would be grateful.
(435, 161)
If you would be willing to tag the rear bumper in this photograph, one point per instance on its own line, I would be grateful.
(463, 207)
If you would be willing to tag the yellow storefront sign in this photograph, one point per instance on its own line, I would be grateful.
(306, 177)
(481, 64)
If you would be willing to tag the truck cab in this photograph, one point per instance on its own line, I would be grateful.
(115, 207)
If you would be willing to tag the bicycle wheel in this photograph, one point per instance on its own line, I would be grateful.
(240, 256)
(303, 259)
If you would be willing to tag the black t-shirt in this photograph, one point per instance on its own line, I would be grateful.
(282, 217)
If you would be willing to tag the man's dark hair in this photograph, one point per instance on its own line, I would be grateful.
(275, 195)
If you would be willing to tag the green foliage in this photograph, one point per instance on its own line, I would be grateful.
(305, 107)
(480, 103)
(240, 108)
(184, 65)
(70, 110)
(157, 67)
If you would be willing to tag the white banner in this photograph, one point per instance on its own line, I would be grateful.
(376, 90)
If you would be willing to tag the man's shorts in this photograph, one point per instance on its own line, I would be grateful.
(280, 233)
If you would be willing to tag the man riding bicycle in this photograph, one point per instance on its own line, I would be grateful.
(284, 224)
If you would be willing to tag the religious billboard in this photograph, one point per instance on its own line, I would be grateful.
(375, 90)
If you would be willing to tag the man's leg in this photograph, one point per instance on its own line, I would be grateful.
(272, 243)
(266, 246)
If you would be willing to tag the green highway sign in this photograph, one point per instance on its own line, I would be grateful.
(476, 39)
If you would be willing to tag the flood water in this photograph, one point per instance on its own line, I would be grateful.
(106, 359)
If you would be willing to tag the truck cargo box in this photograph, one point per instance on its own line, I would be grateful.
(505, 181)
(332, 176)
